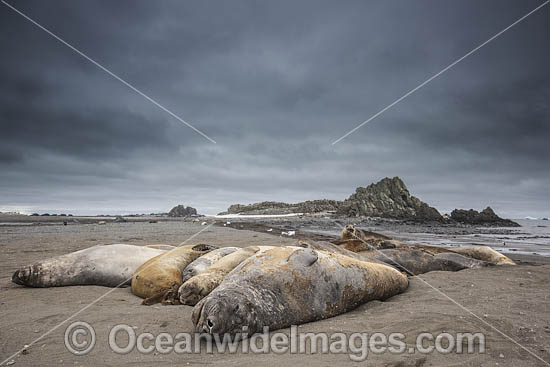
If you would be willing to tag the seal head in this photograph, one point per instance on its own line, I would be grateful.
(230, 313)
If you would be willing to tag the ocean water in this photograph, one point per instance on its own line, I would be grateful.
(532, 238)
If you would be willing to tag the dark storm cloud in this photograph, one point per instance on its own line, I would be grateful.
(274, 83)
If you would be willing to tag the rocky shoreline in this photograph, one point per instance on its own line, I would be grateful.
(389, 198)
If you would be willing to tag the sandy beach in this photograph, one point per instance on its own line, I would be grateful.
(513, 299)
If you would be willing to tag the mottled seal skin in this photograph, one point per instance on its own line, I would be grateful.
(356, 240)
(414, 261)
(288, 286)
(105, 265)
(199, 286)
(485, 253)
(328, 247)
(350, 232)
(162, 272)
(205, 261)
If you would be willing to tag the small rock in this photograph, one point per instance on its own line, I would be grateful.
(101, 222)
(182, 211)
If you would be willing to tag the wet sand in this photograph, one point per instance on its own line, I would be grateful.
(514, 299)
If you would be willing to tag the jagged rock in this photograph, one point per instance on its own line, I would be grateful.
(486, 216)
(182, 211)
(388, 198)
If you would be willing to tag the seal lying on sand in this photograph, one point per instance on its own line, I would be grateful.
(350, 232)
(415, 262)
(485, 253)
(328, 247)
(355, 239)
(288, 286)
(162, 272)
(199, 286)
(420, 258)
(205, 261)
(106, 265)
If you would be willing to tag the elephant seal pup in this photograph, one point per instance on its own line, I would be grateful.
(205, 261)
(105, 265)
(199, 286)
(162, 272)
(485, 253)
(287, 286)
(415, 262)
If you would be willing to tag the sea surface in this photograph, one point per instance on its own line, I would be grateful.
(532, 238)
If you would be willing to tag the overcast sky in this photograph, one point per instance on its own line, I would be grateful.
(274, 83)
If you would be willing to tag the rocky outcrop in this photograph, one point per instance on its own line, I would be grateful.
(274, 207)
(486, 217)
(388, 198)
(182, 211)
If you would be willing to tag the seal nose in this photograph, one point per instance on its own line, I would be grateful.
(210, 324)
(17, 277)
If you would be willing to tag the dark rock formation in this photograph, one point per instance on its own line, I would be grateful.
(182, 211)
(486, 217)
(388, 198)
(274, 207)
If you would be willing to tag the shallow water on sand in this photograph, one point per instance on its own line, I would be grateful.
(532, 238)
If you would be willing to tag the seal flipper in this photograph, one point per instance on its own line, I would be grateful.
(305, 257)
(197, 311)
(157, 298)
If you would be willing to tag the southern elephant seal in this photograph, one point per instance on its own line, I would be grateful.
(288, 286)
(485, 253)
(205, 261)
(106, 265)
(199, 286)
(355, 239)
(328, 247)
(331, 247)
(414, 261)
(162, 272)
(351, 232)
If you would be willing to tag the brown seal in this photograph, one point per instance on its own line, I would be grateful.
(199, 286)
(485, 253)
(163, 272)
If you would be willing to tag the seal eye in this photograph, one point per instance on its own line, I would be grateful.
(209, 323)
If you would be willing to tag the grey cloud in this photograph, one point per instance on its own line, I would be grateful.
(274, 83)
